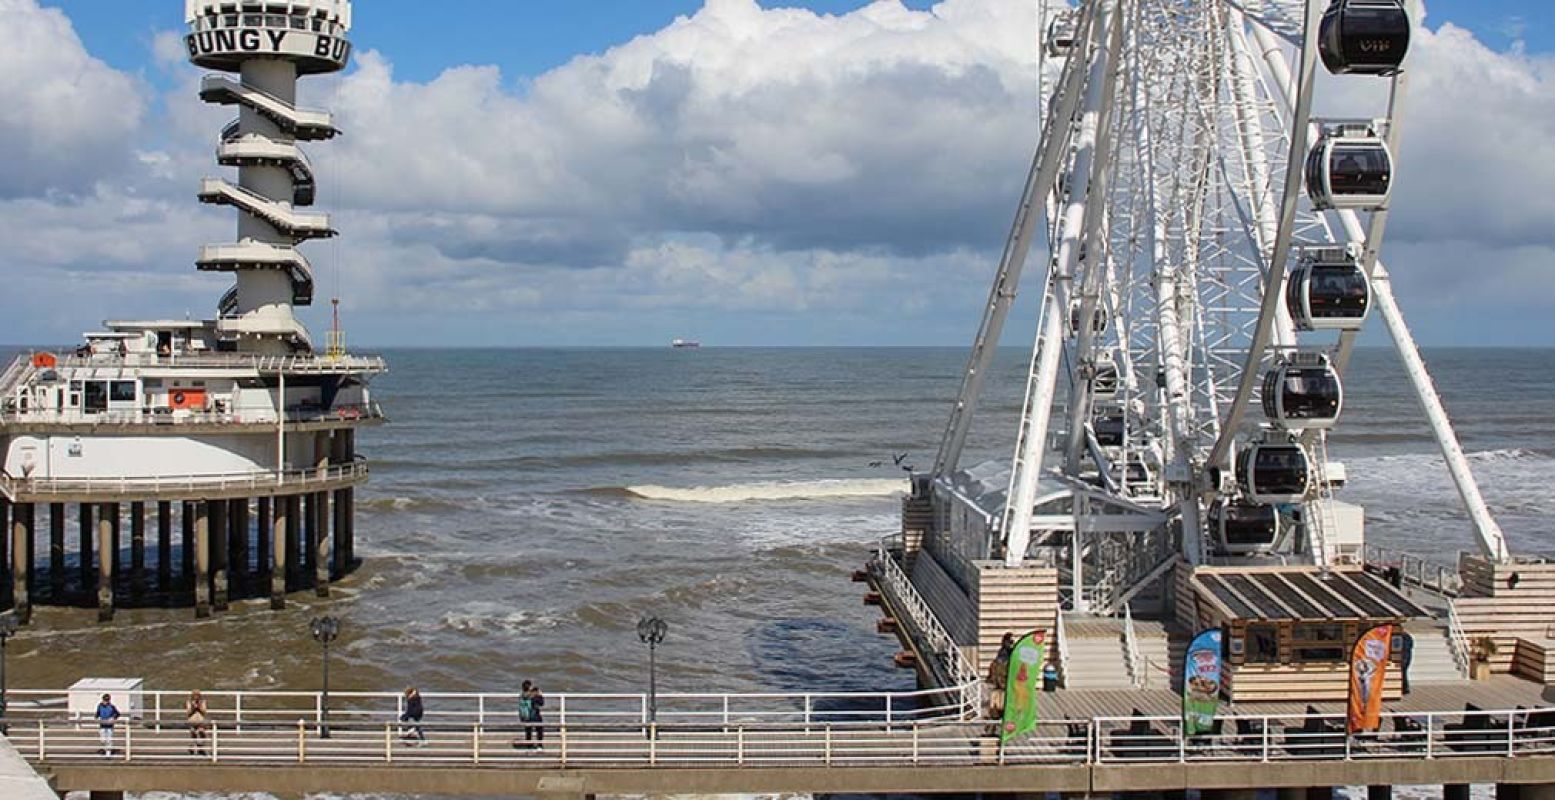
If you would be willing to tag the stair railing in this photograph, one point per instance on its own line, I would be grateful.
(1459, 639)
(1061, 646)
(1137, 674)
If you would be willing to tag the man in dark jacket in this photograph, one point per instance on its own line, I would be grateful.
(412, 714)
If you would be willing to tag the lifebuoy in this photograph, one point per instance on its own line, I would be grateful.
(178, 399)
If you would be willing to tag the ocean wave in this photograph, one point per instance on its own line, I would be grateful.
(766, 490)
(405, 503)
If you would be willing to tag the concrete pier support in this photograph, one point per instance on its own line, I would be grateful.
(57, 551)
(293, 539)
(107, 519)
(137, 549)
(1455, 791)
(1506, 791)
(1291, 793)
(202, 558)
(186, 522)
(240, 542)
(338, 549)
(262, 539)
(310, 537)
(218, 554)
(280, 543)
(85, 549)
(23, 519)
(164, 546)
(1379, 793)
(322, 560)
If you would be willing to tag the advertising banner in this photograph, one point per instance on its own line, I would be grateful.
(1023, 686)
(1368, 668)
(1201, 683)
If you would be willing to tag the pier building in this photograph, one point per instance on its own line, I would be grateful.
(196, 462)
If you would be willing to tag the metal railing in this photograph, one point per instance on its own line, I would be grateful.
(734, 742)
(1061, 646)
(251, 415)
(159, 484)
(1413, 570)
(304, 364)
(18, 371)
(1458, 640)
(1132, 659)
(967, 683)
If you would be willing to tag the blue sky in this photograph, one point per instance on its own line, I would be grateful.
(747, 176)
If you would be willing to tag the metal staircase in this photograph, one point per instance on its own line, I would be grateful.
(306, 125)
(300, 227)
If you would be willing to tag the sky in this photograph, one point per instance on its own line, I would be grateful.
(623, 172)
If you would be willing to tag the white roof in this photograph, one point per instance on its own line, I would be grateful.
(336, 10)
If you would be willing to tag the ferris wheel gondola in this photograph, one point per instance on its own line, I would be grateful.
(1328, 290)
(1364, 37)
(1242, 529)
(1061, 34)
(1274, 472)
(1349, 167)
(1303, 392)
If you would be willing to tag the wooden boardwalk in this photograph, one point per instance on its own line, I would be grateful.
(1500, 692)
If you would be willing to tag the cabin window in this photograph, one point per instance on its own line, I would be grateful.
(1263, 644)
(96, 397)
(1318, 642)
(121, 392)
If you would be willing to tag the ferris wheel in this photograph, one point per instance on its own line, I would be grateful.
(1212, 247)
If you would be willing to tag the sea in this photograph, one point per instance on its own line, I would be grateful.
(527, 507)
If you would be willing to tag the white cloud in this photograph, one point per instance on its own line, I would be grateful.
(855, 174)
(66, 119)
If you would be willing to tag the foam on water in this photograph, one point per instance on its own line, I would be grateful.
(767, 491)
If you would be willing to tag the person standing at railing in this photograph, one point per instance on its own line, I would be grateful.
(530, 700)
(998, 676)
(107, 716)
(197, 716)
(414, 710)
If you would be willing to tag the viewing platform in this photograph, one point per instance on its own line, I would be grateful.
(721, 743)
(208, 487)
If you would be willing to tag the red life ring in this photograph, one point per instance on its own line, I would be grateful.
(178, 399)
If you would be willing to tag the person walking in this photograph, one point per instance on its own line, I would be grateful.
(107, 716)
(414, 710)
(198, 718)
(530, 701)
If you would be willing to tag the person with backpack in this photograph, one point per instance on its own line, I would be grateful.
(414, 709)
(107, 716)
(530, 700)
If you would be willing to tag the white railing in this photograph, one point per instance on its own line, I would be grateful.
(1061, 645)
(52, 737)
(162, 484)
(246, 415)
(1137, 673)
(15, 374)
(1458, 640)
(967, 683)
(321, 363)
(1414, 570)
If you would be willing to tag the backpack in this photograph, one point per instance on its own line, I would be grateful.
(526, 708)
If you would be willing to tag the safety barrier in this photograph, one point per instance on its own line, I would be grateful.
(353, 739)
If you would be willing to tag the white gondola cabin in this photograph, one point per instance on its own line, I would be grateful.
(1241, 530)
(1364, 37)
(1274, 472)
(1104, 384)
(1328, 291)
(1061, 35)
(1099, 318)
(1303, 392)
(1349, 167)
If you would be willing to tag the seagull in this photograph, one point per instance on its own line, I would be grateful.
(897, 459)
(876, 463)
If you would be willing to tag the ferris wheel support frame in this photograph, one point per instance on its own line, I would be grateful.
(1105, 34)
(1044, 170)
(1275, 266)
(1491, 539)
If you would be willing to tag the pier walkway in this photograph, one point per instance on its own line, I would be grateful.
(755, 743)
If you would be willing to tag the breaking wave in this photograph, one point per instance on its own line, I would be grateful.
(762, 491)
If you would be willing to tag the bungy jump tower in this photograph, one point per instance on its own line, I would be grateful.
(1213, 250)
(234, 432)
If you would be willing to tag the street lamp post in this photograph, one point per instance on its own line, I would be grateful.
(651, 631)
(8, 626)
(325, 630)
